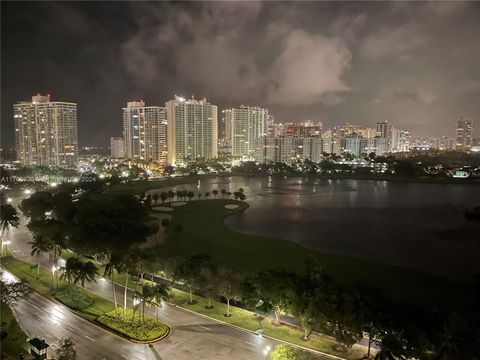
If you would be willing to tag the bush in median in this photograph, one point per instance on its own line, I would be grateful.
(149, 330)
(74, 297)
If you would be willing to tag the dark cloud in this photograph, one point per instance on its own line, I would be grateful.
(415, 64)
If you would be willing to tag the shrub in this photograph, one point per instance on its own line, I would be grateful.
(149, 330)
(74, 297)
(285, 352)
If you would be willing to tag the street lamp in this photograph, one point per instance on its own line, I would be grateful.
(5, 244)
(9, 200)
(54, 275)
(27, 191)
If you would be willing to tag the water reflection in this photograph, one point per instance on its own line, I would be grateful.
(410, 224)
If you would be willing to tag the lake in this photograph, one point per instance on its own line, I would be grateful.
(415, 225)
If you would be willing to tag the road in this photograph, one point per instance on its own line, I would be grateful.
(192, 336)
(200, 339)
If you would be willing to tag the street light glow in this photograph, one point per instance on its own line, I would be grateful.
(27, 191)
(9, 200)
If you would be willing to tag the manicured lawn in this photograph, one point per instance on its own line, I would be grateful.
(43, 285)
(73, 297)
(148, 330)
(246, 320)
(203, 232)
(13, 338)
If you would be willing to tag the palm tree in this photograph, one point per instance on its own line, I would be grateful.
(66, 350)
(392, 349)
(86, 272)
(207, 194)
(163, 197)
(70, 270)
(171, 195)
(451, 341)
(58, 245)
(155, 198)
(40, 245)
(199, 196)
(215, 193)
(9, 218)
(190, 195)
(110, 267)
(223, 191)
(154, 295)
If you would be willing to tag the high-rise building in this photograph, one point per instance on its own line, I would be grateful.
(352, 145)
(332, 141)
(247, 124)
(192, 130)
(144, 132)
(288, 149)
(464, 134)
(116, 148)
(385, 130)
(46, 132)
(377, 145)
(400, 141)
(225, 132)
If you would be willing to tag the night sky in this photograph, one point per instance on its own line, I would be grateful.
(414, 64)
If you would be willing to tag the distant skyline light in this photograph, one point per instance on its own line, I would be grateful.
(414, 64)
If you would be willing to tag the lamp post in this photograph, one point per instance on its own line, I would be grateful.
(54, 275)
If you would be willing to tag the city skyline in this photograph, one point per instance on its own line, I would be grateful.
(385, 57)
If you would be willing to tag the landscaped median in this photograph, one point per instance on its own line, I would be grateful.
(88, 305)
(143, 331)
(246, 320)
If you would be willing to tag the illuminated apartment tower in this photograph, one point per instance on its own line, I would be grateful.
(192, 130)
(248, 125)
(225, 132)
(46, 132)
(144, 132)
(116, 148)
(464, 134)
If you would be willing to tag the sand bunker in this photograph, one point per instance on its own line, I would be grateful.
(178, 203)
(162, 208)
(231, 206)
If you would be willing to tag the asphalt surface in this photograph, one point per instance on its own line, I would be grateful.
(192, 336)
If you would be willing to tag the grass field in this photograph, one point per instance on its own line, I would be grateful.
(204, 232)
(13, 338)
(246, 320)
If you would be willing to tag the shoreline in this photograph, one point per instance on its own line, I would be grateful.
(148, 185)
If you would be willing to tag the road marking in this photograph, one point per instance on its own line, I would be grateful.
(89, 338)
(204, 327)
